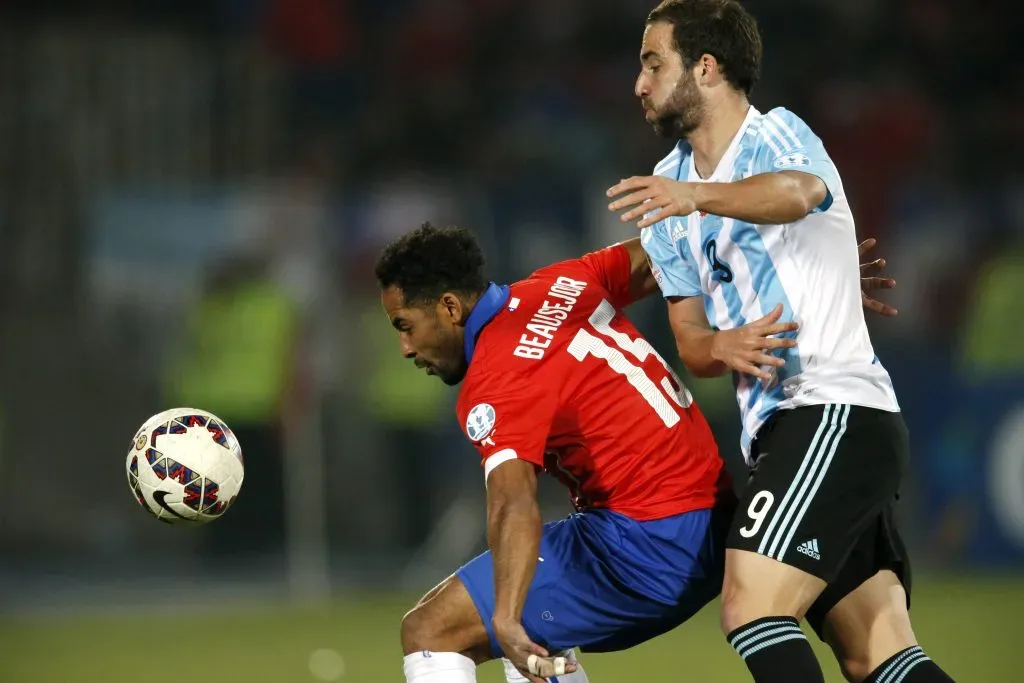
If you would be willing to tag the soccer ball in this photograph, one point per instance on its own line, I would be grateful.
(185, 466)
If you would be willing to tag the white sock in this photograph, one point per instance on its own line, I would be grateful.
(512, 674)
(439, 667)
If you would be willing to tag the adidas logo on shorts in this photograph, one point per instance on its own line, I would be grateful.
(810, 549)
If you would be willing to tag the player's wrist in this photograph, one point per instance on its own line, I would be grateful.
(700, 195)
(504, 621)
(715, 349)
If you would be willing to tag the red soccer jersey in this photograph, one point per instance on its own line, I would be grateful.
(562, 379)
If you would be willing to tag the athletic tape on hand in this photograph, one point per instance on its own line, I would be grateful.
(546, 667)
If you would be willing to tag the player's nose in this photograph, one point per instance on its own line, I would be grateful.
(406, 348)
(640, 88)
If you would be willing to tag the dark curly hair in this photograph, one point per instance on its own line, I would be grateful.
(721, 28)
(429, 261)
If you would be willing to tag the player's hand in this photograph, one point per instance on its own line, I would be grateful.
(869, 281)
(747, 349)
(664, 196)
(531, 659)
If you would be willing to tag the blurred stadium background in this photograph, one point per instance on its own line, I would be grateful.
(192, 197)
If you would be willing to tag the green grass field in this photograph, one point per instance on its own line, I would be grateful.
(967, 624)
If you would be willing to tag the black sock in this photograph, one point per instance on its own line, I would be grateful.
(776, 651)
(909, 666)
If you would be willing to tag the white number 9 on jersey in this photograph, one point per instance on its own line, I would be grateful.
(657, 395)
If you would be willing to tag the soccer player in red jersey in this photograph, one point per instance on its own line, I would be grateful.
(556, 379)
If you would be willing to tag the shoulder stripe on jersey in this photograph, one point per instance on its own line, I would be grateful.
(790, 512)
(770, 137)
(778, 121)
(667, 162)
(780, 139)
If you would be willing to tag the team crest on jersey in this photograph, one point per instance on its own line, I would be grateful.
(480, 421)
(795, 160)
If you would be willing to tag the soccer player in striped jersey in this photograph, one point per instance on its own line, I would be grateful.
(752, 241)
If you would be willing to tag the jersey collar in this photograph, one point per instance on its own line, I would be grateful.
(492, 301)
(688, 172)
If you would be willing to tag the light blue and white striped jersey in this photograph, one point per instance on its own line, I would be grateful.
(744, 270)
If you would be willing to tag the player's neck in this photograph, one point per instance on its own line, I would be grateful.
(711, 140)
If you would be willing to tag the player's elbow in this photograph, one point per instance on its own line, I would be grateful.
(501, 508)
(801, 207)
(792, 206)
(802, 193)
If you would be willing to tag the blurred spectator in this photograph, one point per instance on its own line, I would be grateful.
(409, 408)
(994, 326)
(237, 362)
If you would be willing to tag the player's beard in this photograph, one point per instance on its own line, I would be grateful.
(683, 111)
(451, 365)
(452, 375)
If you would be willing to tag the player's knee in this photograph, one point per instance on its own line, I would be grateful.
(416, 631)
(742, 605)
(855, 668)
(423, 630)
(756, 586)
(738, 606)
(443, 625)
(735, 613)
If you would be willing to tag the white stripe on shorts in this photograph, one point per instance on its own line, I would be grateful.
(791, 510)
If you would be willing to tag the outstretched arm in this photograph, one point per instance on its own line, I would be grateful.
(764, 199)
(642, 283)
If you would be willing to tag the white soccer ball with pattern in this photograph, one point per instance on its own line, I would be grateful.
(185, 466)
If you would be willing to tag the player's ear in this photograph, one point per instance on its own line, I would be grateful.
(708, 69)
(452, 307)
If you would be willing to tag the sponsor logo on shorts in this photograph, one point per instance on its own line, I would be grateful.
(810, 549)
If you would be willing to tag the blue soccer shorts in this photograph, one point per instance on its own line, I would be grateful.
(605, 582)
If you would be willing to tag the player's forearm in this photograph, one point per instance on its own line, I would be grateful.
(695, 344)
(513, 533)
(766, 199)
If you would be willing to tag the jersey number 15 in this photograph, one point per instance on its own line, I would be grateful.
(657, 394)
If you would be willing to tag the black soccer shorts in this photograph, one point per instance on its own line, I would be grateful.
(821, 497)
